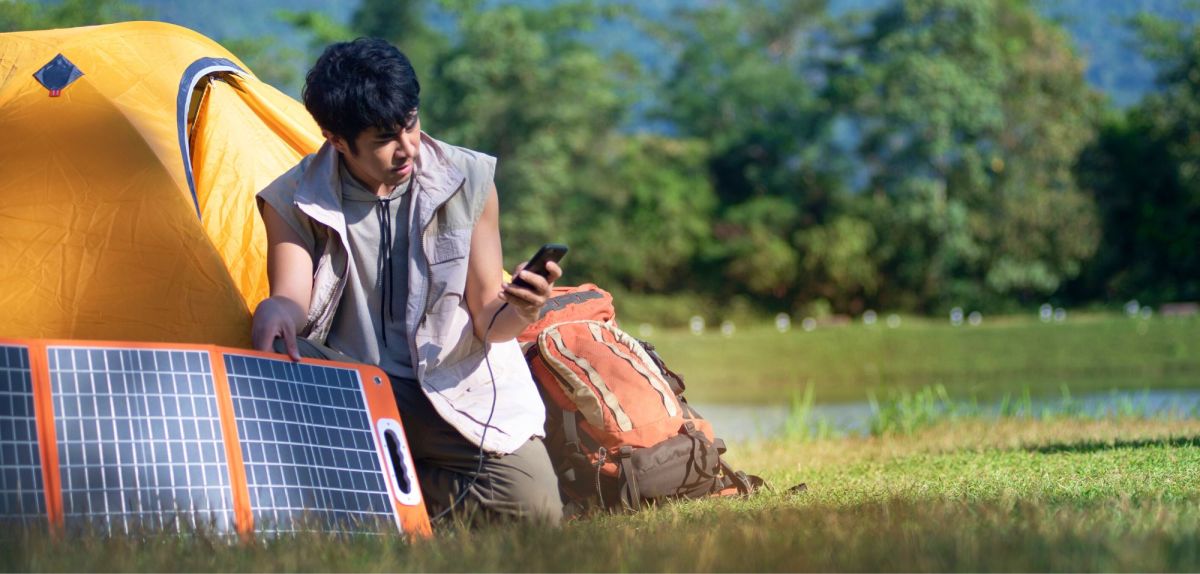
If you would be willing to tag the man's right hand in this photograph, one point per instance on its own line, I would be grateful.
(275, 318)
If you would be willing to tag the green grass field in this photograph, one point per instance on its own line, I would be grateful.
(1011, 494)
(1003, 356)
(1002, 496)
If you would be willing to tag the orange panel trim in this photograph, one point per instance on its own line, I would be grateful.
(43, 406)
(381, 404)
(243, 515)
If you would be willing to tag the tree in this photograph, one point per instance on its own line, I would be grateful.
(970, 115)
(403, 23)
(518, 84)
(644, 225)
(18, 15)
(1145, 173)
(744, 82)
(270, 60)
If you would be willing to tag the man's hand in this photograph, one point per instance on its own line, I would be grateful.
(528, 302)
(275, 318)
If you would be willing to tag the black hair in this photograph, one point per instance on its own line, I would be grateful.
(362, 84)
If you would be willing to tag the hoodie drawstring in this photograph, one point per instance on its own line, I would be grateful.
(385, 248)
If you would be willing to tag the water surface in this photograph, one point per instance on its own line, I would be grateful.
(734, 422)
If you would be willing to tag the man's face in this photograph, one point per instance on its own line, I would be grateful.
(383, 159)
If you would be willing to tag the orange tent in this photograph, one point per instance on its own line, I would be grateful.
(129, 158)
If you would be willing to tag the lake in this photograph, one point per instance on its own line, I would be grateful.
(741, 422)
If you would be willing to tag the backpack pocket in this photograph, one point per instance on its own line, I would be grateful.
(685, 465)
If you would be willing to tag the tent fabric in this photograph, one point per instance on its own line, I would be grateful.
(127, 200)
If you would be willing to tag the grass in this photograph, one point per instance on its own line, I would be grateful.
(939, 485)
(1008, 495)
(1087, 354)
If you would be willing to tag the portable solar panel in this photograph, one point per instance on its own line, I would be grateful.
(137, 435)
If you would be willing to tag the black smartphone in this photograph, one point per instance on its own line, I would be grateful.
(537, 264)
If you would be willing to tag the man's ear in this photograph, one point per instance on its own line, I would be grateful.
(338, 142)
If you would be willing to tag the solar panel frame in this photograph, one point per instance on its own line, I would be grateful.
(117, 444)
(22, 488)
(312, 457)
(139, 438)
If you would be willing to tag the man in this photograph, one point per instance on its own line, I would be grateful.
(384, 246)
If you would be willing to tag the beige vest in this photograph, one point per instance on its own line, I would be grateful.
(450, 188)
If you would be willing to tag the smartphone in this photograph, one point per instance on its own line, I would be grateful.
(537, 264)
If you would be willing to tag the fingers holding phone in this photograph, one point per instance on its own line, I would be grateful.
(534, 279)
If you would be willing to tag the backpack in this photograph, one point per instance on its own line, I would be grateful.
(618, 429)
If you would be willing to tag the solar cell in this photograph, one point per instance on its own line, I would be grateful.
(22, 494)
(311, 458)
(139, 438)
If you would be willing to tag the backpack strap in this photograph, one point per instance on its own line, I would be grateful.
(699, 442)
(631, 495)
(675, 380)
(745, 483)
(574, 450)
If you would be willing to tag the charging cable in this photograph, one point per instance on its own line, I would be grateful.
(462, 494)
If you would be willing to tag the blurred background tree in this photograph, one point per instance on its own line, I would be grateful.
(794, 155)
(21, 15)
(969, 115)
(1145, 170)
(742, 82)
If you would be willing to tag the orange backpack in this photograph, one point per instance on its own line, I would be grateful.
(619, 431)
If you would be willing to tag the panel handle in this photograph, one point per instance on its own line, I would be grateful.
(404, 486)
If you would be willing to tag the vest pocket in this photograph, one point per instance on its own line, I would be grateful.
(448, 275)
(450, 246)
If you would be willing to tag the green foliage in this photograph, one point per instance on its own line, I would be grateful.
(739, 83)
(660, 310)
(754, 248)
(320, 29)
(837, 264)
(269, 60)
(648, 217)
(905, 411)
(403, 24)
(18, 15)
(971, 115)
(518, 84)
(1145, 173)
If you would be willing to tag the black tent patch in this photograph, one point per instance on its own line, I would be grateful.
(57, 75)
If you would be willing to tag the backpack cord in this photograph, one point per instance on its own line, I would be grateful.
(600, 463)
(462, 494)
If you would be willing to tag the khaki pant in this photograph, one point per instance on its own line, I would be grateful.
(520, 485)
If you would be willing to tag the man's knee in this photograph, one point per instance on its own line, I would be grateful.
(529, 484)
(537, 499)
(517, 486)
